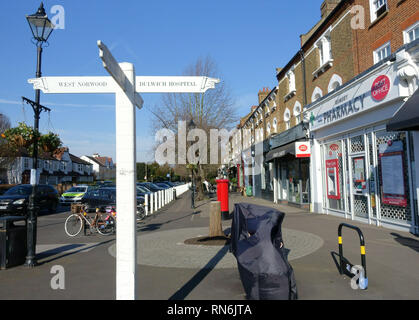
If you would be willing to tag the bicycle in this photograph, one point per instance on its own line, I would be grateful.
(76, 221)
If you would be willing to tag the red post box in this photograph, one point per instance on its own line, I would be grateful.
(222, 196)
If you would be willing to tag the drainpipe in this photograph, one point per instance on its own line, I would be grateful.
(303, 66)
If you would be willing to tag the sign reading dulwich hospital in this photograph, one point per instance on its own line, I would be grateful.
(359, 97)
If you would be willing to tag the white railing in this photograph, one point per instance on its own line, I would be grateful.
(157, 200)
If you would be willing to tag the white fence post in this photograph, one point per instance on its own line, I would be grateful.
(146, 204)
(151, 203)
(155, 201)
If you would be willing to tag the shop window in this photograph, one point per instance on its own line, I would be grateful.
(411, 33)
(333, 176)
(382, 52)
(393, 176)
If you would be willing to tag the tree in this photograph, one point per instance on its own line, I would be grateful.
(213, 109)
(6, 155)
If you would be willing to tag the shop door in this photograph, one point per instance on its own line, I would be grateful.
(359, 187)
(284, 183)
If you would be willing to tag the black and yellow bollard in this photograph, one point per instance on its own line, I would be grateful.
(363, 279)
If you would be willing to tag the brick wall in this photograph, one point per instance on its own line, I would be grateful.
(389, 27)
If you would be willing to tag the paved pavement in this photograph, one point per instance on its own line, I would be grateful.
(169, 269)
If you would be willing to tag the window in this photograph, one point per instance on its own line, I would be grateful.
(62, 166)
(382, 52)
(325, 50)
(26, 163)
(291, 81)
(411, 33)
(287, 119)
(268, 128)
(46, 165)
(377, 8)
(334, 83)
(297, 112)
(80, 167)
(317, 94)
(325, 53)
(274, 124)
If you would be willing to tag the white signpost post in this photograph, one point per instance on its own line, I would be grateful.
(126, 87)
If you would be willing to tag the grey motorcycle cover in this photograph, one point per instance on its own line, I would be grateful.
(256, 238)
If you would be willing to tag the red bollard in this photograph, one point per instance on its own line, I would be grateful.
(222, 196)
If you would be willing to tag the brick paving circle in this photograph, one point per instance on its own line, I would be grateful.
(167, 249)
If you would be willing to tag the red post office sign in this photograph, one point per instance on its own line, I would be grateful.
(302, 149)
(380, 88)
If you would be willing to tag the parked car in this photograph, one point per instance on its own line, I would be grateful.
(15, 200)
(142, 191)
(74, 194)
(151, 186)
(102, 198)
(162, 185)
(169, 183)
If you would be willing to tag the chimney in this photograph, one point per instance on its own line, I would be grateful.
(263, 94)
(327, 7)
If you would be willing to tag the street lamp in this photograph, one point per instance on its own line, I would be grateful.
(191, 125)
(41, 28)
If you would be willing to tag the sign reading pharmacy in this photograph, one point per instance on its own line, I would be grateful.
(126, 86)
(359, 97)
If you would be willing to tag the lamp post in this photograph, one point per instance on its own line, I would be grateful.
(191, 125)
(41, 28)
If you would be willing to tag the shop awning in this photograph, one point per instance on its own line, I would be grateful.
(280, 152)
(407, 117)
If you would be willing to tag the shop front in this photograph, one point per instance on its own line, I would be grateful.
(360, 169)
(289, 159)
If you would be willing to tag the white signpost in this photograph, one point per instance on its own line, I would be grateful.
(126, 86)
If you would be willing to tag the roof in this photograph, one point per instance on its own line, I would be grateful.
(315, 33)
(75, 159)
(103, 160)
(95, 160)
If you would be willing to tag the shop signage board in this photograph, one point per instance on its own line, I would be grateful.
(126, 86)
(302, 149)
(333, 155)
(363, 95)
(392, 173)
(332, 179)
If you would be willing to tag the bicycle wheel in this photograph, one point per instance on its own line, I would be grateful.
(140, 215)
(106, 227)
(73, 225)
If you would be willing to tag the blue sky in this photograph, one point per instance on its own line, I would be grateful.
(247, 39)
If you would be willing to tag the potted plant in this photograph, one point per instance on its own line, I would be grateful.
(50, 142)
(21, 136)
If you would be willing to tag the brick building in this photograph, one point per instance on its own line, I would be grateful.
(350, 47)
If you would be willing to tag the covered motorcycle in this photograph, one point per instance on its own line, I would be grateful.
(256, 242)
